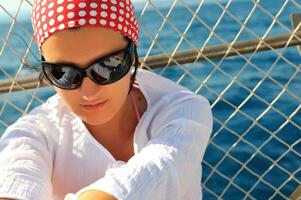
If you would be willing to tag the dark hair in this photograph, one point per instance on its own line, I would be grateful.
(136, 63)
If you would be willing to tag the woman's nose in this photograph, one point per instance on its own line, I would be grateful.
(89, 90)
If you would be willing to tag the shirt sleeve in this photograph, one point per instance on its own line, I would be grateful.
(25, 162)
(166, 167)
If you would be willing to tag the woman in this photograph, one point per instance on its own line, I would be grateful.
(112, 131)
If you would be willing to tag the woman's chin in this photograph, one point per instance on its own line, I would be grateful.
(94, 121)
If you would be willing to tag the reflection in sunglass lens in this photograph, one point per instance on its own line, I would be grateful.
(62, 76)
(115, 61)
(100, 73)
(100, 76)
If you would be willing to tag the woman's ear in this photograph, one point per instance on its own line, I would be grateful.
(133, 69)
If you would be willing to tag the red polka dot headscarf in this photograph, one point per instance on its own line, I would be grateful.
(49, 16)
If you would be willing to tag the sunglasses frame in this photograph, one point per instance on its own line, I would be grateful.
(130, 50)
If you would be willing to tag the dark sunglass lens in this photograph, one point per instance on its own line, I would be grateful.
(110, 70)
(100, 74)
(115, 61)
(62, 76)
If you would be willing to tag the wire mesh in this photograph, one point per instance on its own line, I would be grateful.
(255, 148)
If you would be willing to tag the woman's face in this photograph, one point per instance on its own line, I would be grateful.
(80, 47)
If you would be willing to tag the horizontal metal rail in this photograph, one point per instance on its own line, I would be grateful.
(24, 83)
(219, 51)
(181, 57)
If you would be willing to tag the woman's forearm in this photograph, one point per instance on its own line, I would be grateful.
(95, 195)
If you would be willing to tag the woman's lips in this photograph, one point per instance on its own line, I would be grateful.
(93, 106)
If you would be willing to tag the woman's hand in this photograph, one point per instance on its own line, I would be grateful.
(96, 195)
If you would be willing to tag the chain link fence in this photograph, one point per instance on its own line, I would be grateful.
(241, 55)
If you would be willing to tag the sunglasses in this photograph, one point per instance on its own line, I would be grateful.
(103, 71)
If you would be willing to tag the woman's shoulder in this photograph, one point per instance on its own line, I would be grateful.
(157, 83)
(161, 91)
(183, 103)
(43, 119)
(172, 108)
(168, 101)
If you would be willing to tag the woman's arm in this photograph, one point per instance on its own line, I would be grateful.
(168, 166)
(25, 162)
(95, 195)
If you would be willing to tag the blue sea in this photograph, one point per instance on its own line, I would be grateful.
(256, 141)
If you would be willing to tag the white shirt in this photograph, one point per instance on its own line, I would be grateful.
(49, 153)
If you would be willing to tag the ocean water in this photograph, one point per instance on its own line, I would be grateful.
(241, 141)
